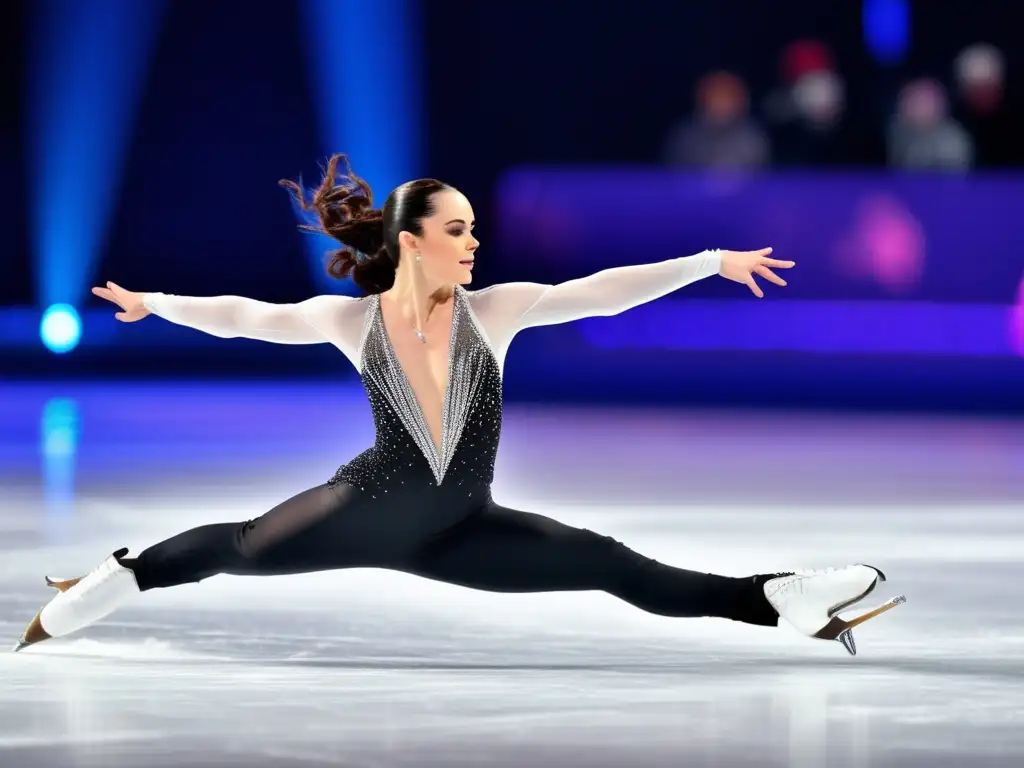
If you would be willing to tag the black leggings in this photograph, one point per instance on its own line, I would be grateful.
(492, 548)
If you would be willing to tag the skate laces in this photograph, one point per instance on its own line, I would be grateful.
(793, 582)
(92, 580)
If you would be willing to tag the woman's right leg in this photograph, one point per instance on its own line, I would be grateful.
(323, 528)
(308, 532)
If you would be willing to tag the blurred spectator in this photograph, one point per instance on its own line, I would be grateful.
(805, 57)
(982, 107)
(816, 132)
(808, 117)
(797, 61)
(722, 134)
(922, 135)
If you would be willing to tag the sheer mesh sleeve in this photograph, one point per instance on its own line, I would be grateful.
(232, 317)
(507, 308)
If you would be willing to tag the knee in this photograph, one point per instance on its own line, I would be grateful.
(612, 559)
(609, 547)
(624, 567)
(190, 557)
(246, 545)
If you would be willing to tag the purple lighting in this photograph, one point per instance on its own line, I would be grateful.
(886, 245)
(886, 263)
(821, 327)
(1017, 321)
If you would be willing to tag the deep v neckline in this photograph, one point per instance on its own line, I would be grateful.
(437, 452)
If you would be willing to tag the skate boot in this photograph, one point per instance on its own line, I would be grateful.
(83, 601)
(812, 600)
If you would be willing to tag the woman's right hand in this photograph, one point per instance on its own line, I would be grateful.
(130, 302)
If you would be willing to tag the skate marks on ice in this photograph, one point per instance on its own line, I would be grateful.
(377, 668)
(708, 710)
(380, 669)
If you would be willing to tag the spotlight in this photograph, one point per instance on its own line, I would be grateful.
(61, 328)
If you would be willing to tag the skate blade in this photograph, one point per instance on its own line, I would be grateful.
(842, 629)
(34, 633)
(62, 585)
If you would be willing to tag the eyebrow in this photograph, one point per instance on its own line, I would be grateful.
(454, 221)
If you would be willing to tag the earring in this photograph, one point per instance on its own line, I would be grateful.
(417, 258)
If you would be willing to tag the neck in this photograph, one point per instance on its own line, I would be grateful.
(414, 294)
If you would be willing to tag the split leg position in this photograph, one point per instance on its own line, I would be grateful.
(492, 548)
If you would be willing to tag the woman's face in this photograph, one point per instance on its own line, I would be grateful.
(447, 247)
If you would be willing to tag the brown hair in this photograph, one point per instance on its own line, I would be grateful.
(343, 204)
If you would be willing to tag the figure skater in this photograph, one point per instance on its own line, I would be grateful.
(430, 354)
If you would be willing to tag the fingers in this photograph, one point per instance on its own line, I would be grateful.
(767, 274)
(761, 266)
(762, 256)
(751, 283)
(106, 293)
(117, 291)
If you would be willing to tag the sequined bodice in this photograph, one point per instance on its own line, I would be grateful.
(404, 457)
(484, 323)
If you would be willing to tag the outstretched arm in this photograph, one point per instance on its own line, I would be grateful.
(507, 308)
(614, 290)
(224, 316)
(233, 317)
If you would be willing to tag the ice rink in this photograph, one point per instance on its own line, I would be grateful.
(381, 670)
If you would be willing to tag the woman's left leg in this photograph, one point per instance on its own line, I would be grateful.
(505, 550)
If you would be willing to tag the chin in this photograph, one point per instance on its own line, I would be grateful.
(466, 277)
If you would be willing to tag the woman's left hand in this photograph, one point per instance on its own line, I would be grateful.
(741, 266)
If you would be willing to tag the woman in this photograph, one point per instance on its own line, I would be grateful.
(430, 354)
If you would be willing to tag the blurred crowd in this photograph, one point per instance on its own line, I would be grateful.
(814, 117)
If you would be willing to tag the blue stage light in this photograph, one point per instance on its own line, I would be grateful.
(61, 328)
(365, 68)
(887, 31)
(85, 75)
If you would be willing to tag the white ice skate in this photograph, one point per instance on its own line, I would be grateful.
(83, 601)
(812, 600)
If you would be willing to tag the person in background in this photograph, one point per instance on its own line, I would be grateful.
(983, 108)
(808, 115)
(817, 133)
(722, 134)
(923, 136)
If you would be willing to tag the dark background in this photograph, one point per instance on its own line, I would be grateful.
(228, 106)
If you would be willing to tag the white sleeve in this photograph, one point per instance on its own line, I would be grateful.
(507, 308)
(232, 317)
